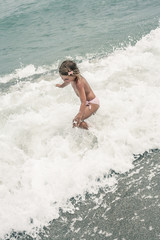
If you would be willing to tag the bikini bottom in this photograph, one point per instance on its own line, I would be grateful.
(93, 101)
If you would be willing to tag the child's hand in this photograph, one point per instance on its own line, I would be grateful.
(58, 85)
(77, 120)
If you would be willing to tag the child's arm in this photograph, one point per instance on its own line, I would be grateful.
(62, 85)
(82, 96)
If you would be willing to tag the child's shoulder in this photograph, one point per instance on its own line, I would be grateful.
(80, 82)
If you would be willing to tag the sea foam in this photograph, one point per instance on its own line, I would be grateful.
(44, 162)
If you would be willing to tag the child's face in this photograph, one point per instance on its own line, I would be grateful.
(68, 79)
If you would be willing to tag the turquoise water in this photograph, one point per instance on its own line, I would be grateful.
(40, 33)
(76, 184)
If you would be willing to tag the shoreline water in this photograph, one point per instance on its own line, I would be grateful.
(117, 211)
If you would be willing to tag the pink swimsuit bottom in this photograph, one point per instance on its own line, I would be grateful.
(93, 101)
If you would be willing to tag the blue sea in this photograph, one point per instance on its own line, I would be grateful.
(60, 183)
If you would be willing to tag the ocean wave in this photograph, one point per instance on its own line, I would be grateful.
(44, 162)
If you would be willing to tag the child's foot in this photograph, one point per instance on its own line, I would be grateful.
(84, 125)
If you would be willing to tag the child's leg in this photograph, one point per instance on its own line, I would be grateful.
(88, 112)
(83, 125)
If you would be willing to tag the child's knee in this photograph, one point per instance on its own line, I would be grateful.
(83, 125)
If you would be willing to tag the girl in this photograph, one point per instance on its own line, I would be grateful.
(69, 73)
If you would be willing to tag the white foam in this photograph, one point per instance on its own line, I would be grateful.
(44, 161)
(25, 72)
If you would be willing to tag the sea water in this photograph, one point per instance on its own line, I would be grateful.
(43, 161)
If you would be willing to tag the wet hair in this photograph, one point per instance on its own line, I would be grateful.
(68, 66)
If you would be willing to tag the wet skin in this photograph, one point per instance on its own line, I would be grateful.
(85, 93)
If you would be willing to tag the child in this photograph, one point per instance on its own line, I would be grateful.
(69, 72)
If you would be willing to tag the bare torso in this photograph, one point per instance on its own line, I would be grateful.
(88, 91)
